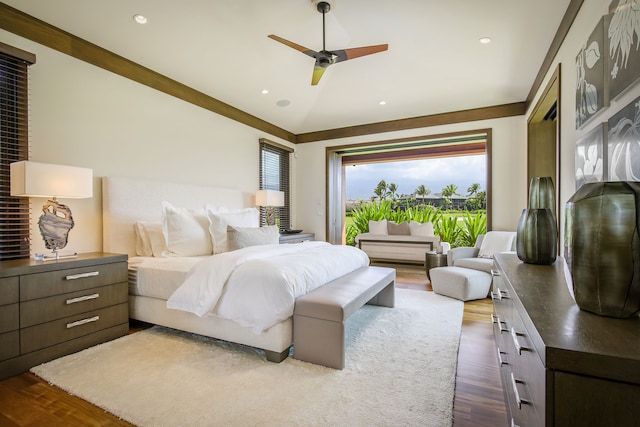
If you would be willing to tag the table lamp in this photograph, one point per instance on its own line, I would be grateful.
(33, 179)
(270, 199)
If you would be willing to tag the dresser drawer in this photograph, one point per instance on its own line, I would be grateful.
(528, 376)
(9, 290)
(43, 310)
(9, 317)
(58, 331)
(10, 345)
(41, 285)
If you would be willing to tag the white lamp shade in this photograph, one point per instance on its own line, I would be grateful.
(269, 198)
(33, 179)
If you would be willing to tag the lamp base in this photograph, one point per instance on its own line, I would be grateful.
(270, 215)
(55, 223)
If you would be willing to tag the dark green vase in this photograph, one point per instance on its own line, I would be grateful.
(602, 247)
(542, 194)
(537, 237)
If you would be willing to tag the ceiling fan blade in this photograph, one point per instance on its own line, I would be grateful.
(318, 71)
(306, 51)
(356, 52)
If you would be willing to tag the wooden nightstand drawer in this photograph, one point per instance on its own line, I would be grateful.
(41, 285)
(10, 345)
(58, 306)
(58, 331)
(9, 317)
(9, 290)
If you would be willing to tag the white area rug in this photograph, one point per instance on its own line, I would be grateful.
(400, 370)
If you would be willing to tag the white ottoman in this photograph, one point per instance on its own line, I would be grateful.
(461, 283)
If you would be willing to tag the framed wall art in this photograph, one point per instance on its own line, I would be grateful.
(591, 156)
(591, 95)
(623, 33)
(624, 144)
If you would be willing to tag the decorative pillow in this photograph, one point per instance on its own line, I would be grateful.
(242, 237)
(219, 220)
(149, 239)
(378, 227)
(422, 229)
(495, 242)
(401, 229)
(185, 231)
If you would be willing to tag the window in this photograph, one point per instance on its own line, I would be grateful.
(14, 146)
(274, 175)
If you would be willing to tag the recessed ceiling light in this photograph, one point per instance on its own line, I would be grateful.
(485, 40)
(264, 91)
(382, 103)
(140, 19)
(283, 103)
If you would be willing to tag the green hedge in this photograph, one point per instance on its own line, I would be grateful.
(460, 228)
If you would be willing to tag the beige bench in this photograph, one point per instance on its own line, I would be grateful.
(319, 316)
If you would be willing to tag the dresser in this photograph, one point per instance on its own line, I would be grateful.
(52, 308)
(561, 366)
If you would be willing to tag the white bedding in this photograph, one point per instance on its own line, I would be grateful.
(257, 286)
(158, 277)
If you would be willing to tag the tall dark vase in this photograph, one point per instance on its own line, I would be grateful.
(537, 237)
(542, 194)
(602, 247)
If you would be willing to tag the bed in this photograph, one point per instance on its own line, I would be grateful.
(127, 203)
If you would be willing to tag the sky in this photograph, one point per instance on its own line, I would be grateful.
(435, 174)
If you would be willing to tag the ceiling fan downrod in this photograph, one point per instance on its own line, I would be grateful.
(323, 7)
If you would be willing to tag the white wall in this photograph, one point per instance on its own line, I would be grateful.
(583, 26)
(84, 116)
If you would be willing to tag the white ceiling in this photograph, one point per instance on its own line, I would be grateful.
(435, 62)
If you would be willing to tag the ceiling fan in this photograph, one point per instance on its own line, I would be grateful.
(324, 58)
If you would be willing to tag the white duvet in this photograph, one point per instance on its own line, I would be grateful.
(257, 286)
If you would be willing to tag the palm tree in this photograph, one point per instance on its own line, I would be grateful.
(381, 190)
(447, 192)
(472, 191)
(393, 189)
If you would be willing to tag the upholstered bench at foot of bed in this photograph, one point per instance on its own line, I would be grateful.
(319, 316)
(461, 283)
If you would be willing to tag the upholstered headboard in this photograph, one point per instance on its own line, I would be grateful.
(127, 200)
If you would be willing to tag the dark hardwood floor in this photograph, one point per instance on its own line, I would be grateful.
(26, 400)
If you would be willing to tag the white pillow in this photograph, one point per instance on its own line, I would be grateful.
(378, 227)
(495, 242)
(422, 229)
(149, 239)
(219, 220)
(185, 231)
(241, 237)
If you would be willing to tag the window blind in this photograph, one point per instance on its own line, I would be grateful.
(14, 146)
(274, 175)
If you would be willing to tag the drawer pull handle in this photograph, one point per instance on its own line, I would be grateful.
(500, 361)
(83, 298)
(496, 296)
(513, 423)
(519, 400)
(497, 320)
(495, 272)
(83, 275)
(83, 322)
(519, 347)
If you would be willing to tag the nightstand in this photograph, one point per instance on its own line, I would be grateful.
(296, 238)
(49, 309)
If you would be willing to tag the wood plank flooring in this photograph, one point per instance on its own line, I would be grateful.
(26, 400)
